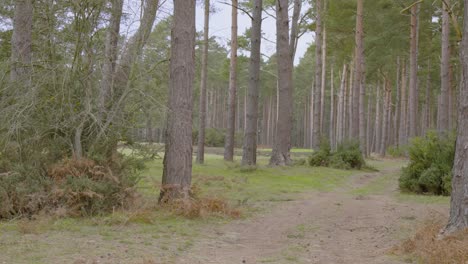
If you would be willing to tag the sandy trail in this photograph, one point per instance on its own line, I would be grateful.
(322, 227)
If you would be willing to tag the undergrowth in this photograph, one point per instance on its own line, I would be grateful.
(347, 156)
(426, 247)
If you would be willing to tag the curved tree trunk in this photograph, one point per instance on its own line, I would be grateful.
(249, 155)
(177, 171)
(231, 123)
(204, 71)
(280, 155)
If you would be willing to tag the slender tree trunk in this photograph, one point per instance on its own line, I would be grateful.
(332, 134)
(351, 92)
(318, 75)
(280, 155)
(204, 77)
(458, 219)
(368, 128)
(386, 116)
(323, 82)
(230, 141)
(110, 56)
(427, 102)
(396, 123)
(378, 127)
(177, 171)
(402, 135)
(21, 41)
(358, 63)
(341, 108)
(249, 156)
(413, 87)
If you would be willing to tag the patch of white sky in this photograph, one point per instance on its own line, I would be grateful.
(220, 24)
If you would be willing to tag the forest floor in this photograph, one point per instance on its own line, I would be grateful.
(292, 215)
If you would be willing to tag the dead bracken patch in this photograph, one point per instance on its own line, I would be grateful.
(427, 248)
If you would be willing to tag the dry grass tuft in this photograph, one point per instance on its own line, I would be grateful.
(427, 248)
(202, 207)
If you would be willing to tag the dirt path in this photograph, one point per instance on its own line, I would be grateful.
(332, 227)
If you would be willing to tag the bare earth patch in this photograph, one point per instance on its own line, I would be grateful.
(325, 227)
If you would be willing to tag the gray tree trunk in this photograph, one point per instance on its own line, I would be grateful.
(110, 57)
(323, 82)
(280, 155)
(249, 155)
(340, 121)
(177, 171)
(318, 75)
(332, 132)
(397, 104)
(378, 123)
(202, 99)
(21, 41)
(413, 87)
(231, 128)
(443, 110)
(402, 135)
(458, 219)
(386, 116)
(358, 63)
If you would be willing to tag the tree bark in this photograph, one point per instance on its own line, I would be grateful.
(21, 41)
(249, 155)
(280, 155)
(203, 80)
(332, 132)
(177, 171)
(413, 87)
(229, 142)
(458, 219)
(318, 76)
(443, 111)
(340, 122)
(378, 127)
(110, 56)
(385, 116)
(402, 135)
(358, 63)
(323, 82)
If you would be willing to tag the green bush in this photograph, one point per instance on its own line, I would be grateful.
(431, 161)
(321, 157)
(215, 137)
(347, 156)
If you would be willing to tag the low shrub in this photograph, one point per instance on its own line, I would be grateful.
(74, 187)
(431, 161)
(347, 156)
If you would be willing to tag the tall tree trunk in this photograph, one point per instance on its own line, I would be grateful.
(351, 92)
(177, 171)
(378, 127)
(110, 56)
(280, 155)
(231, 128)
(318, 75)
(368, 128)
(427, 101)
(458, 219)
(358, 63)
(402, 135)
(332, 134)
(21, 41)
(413, 87)
(443, 111)
(323, 82)
(249, 155)
(386, 116)
(204, 77)
(397, 104)
(340, 122)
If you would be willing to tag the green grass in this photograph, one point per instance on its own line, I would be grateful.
(238, 184)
